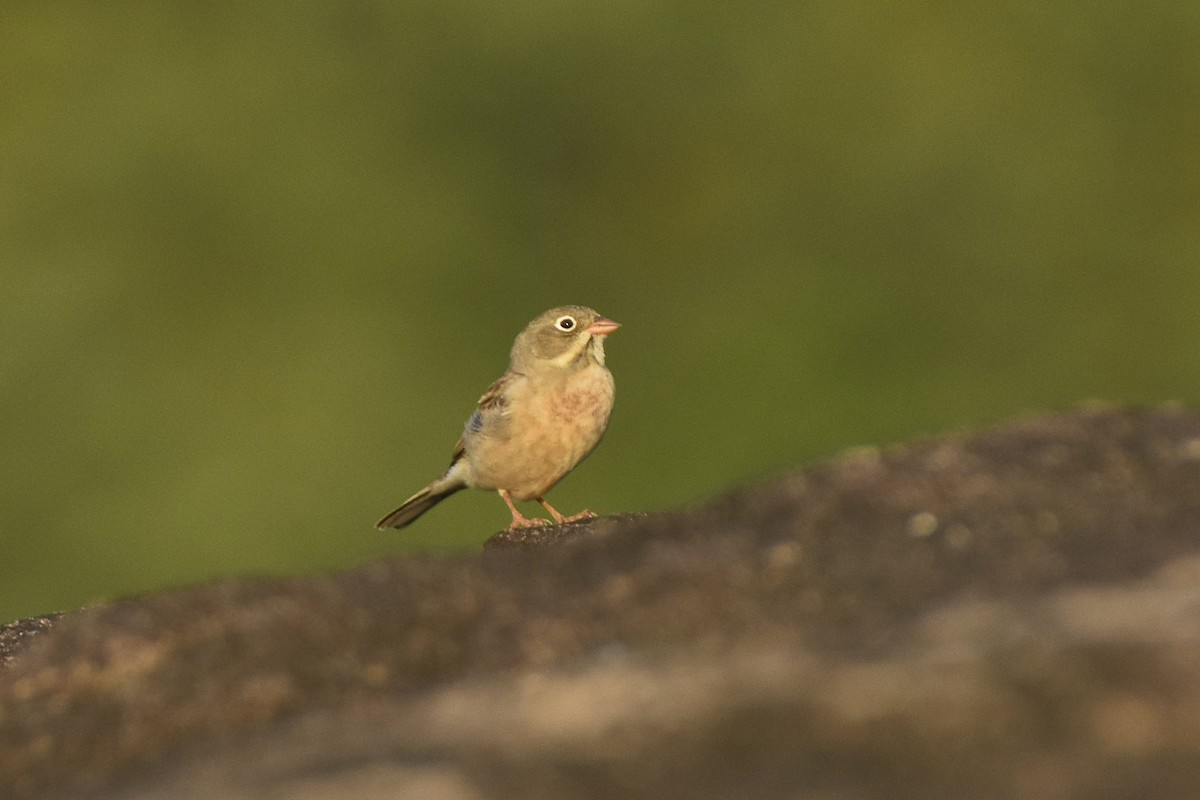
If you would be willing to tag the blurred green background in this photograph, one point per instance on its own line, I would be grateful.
(258, 261)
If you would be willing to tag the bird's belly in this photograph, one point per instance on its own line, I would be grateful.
(537, 448)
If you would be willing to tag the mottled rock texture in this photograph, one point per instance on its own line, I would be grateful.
(1007, 614)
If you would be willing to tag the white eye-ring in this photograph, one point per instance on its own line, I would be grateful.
(565, 323)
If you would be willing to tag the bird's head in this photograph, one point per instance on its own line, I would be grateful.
(565, 337)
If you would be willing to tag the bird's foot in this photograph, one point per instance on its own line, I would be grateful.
(520, 522)
(559, 519)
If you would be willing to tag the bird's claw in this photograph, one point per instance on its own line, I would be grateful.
(528, 522)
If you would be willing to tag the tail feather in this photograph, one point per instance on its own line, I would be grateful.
(419, 503)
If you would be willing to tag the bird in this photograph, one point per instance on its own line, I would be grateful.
(531, 427)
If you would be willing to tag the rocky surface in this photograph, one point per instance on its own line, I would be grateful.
(1008, 614)
(15, 635)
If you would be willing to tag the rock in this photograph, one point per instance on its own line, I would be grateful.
(16, 635)
(1007, 614)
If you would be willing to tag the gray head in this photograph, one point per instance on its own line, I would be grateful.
(565, 337)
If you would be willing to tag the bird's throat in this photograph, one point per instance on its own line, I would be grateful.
(583, 348)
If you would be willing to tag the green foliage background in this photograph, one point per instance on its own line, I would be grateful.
(258, 261)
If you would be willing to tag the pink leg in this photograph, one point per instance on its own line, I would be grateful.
(559, 518)
(519, 520)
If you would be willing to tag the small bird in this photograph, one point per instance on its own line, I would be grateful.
(536, 423)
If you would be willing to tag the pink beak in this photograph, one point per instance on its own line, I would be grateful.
(603, 327)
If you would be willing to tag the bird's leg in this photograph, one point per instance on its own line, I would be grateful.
(559, 518)
(519, 520)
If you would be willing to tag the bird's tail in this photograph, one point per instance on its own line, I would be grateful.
(420, 502)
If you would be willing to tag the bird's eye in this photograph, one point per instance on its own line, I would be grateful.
(565, 323)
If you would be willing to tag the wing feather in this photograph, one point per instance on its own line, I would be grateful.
(493, 401)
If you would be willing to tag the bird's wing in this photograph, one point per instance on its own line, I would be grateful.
(491, 403)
